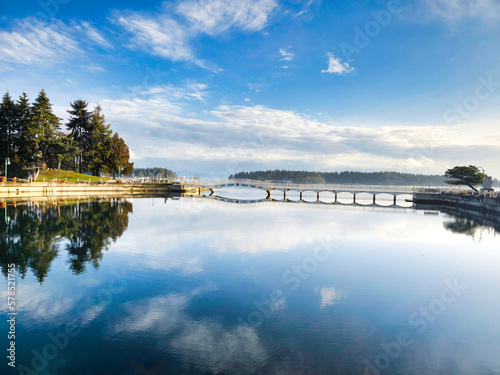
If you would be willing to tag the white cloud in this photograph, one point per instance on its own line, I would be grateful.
(161, 36)
(33, 41)
(455, 10)
(93, 34)
(336, 66)
(216, 16)
(258, 135)
(286, 56)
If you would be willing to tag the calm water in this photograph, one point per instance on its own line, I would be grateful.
(198, 286)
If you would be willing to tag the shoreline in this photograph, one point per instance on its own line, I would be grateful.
(10, 191)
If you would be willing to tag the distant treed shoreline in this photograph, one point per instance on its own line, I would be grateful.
(346, 177)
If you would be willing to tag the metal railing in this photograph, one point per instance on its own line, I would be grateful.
(303, 187)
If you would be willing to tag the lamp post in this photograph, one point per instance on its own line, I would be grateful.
(7, 162)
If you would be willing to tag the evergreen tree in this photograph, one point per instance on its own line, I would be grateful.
(25, 142)
(100, 143)
(46, 124)
(66, 149)
(119, 157)
(78, 125)
(7, 127)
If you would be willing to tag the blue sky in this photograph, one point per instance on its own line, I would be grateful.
(213, 87)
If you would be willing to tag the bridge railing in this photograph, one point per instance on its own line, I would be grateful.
(305, 187)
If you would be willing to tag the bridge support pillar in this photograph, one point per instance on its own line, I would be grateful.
(317, 196)
(354, 197)
(268, 194)
(335, 197)
(395, 199)
(373, 198)
(284, 194)
(300, 196)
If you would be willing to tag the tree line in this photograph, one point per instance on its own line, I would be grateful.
(31, 135)
(346, 177)
(154, 173)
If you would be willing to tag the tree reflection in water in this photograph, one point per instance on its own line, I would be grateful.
(468, 222)
(32, 236)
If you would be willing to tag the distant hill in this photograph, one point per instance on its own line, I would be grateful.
(347, 177)
(153, 173)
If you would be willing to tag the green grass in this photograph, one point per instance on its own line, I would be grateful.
(71, 176)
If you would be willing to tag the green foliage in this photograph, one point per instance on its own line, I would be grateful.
(465, 175)
(66, 150)
(30, 136)
(356, 178)
(25, 140)
(46, 125)
(7, 127)
(99, 143)
(78, 125)
(119, 157)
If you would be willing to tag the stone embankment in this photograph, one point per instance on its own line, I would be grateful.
(18, 191)
(488, 202)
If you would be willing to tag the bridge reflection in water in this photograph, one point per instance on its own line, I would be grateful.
(335, 191)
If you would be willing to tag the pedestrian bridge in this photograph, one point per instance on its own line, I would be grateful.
(286, 188)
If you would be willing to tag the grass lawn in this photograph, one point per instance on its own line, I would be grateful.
(71, 176)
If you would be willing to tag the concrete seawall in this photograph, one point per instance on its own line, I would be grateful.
(482, 203)
(10, 191)
(487, 203)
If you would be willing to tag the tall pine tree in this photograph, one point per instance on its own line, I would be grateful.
(46, 124)
(25, 142)
(78, 125)
(100, 142)
(7, 127)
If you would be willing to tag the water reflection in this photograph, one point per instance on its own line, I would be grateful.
(189, 287)
(34, 234)
(469, 222)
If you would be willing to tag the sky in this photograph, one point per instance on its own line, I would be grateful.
(213, 87)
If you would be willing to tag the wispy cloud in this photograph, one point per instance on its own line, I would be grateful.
(336, 66)
(258, 135)
(34, 41)
(216, 16)
(456, 10)
(160, 36)
(93, 34)
(190, 91)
